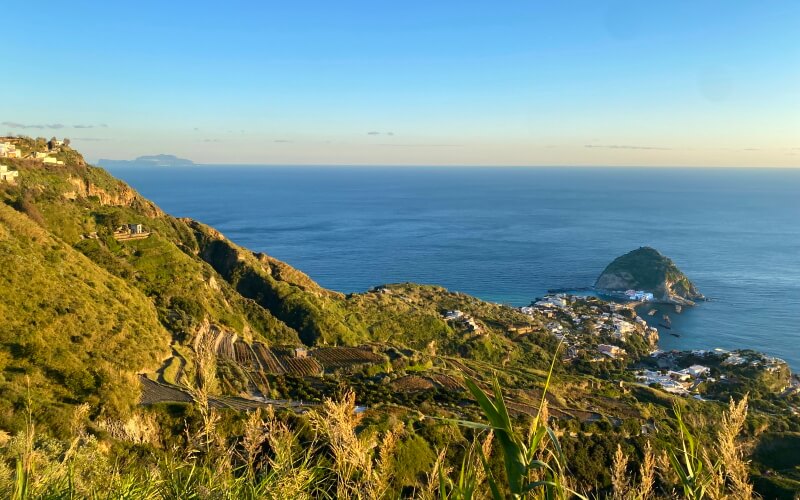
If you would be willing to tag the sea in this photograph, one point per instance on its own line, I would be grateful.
(509, 235)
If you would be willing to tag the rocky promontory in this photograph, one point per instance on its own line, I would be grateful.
(648, 270)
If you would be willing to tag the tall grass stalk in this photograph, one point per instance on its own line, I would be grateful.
(534, 465)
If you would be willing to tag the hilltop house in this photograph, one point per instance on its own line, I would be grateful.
(7, 175)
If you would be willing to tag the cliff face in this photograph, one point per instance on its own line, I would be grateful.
(646, 269)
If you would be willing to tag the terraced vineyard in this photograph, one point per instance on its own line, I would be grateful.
(153, 392)
(244, 355)
(339, 357)
(267, 360)
(301, 367)
(447, 382)
(223, 346)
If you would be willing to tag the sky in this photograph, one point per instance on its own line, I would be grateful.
(662, 83)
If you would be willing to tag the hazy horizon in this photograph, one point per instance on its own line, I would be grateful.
(133, 164)
(611, 83)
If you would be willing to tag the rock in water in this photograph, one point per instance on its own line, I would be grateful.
(646, 269)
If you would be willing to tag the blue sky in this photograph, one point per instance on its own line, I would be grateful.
(485, 83)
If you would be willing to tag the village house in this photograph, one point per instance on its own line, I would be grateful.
(520, 329)
(611, 351)
(132, 231)
(52, 160)
(559, 300)
(7, 175)
(734, 359)
(666, 381)
(471, 324)
(453, 315)
(622, 328)
(9, 150)
(696, 371)
(639, 295)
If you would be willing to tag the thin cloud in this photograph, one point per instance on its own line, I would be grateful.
(421, 145)
(101, 125)
(373, 133)
(625, 146)
(90, 139)
(36, 126)
(282, 141)
(211, 140)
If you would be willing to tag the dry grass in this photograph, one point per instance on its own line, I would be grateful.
(359, 473)
(620, 481)
(731, 479)
(335, 460)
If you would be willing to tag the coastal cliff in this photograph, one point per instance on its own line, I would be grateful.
(648, 270)
(112, 306)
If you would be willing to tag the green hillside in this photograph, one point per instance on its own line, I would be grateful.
(168, 331)
(69, 330)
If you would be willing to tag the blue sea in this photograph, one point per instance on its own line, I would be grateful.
(510, 234)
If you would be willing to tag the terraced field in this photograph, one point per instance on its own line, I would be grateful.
(301, 367)
(155, 393)
(244, 355)
(339, 357)
(447, 382)
(267, 360)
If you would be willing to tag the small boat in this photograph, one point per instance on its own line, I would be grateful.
(678, 308)
(675, 334)
(666, 322)
(652, 312)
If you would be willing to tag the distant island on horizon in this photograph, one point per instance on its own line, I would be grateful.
(159, 160)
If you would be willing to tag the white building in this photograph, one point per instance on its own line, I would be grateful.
(734, 359)
(696, 371)
(9, 150)
(559, 300)
(611, 351)
(455, 314)
(7, 175)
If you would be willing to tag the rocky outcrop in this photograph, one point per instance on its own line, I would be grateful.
(646, 269)
(120, 196)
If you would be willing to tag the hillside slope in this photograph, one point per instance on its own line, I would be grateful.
(194, 281)
(69, 330)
